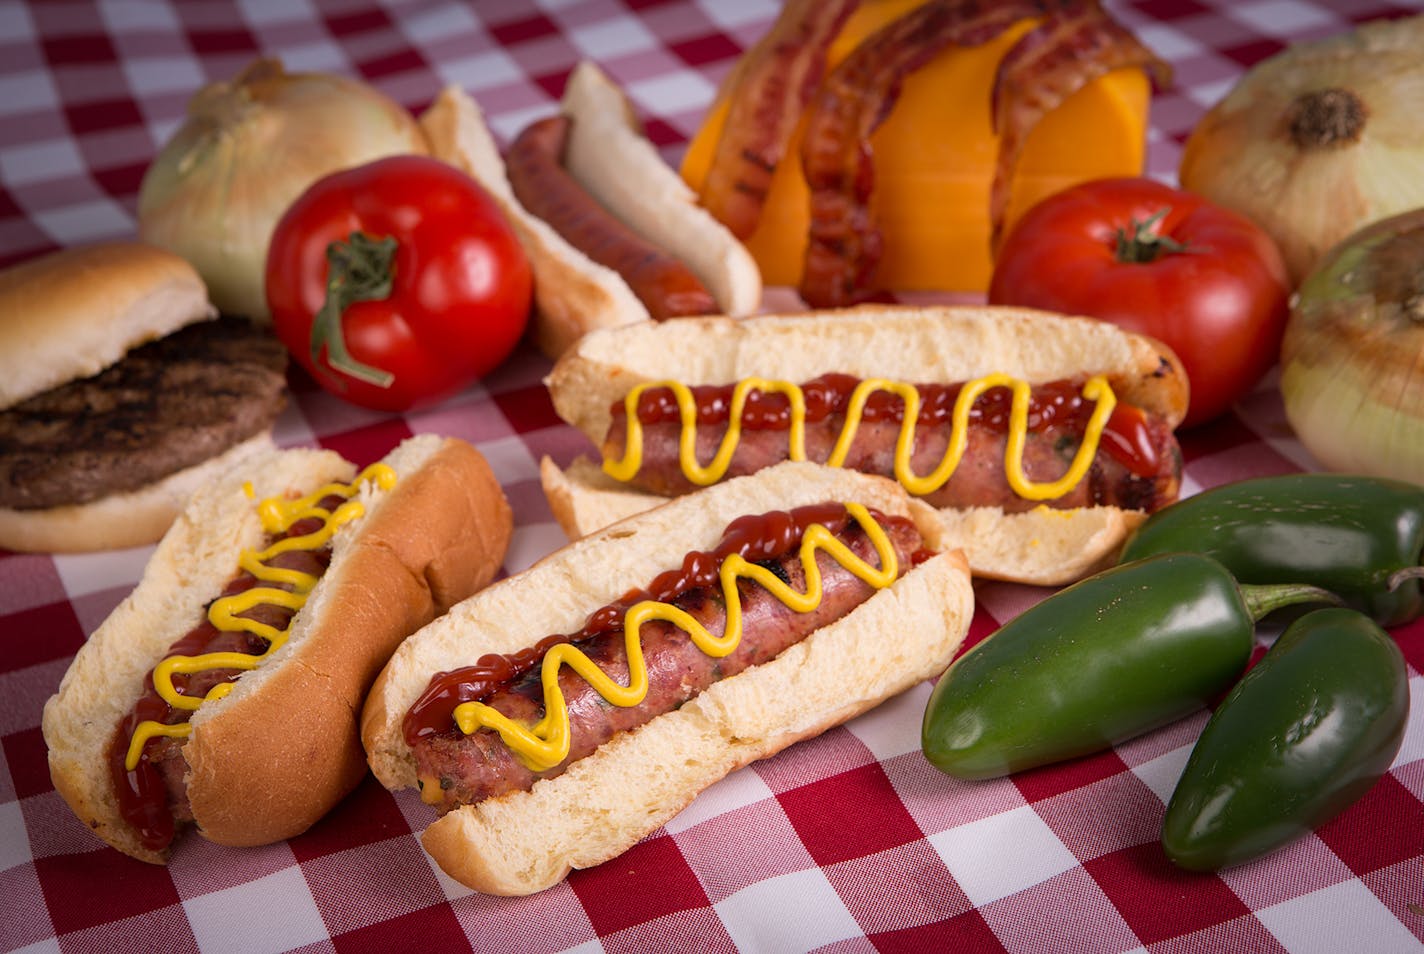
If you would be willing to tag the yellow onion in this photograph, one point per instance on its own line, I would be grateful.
(1352, 362)
(247, 149)
(1319, 140)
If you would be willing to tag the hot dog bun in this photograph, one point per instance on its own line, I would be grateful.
(275, 754)
(620, 168)
(527, 841)
(909, 343)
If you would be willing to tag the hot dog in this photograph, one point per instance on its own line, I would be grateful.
(223, 692)
(1045, 500)
(614, 234)
(731, 666)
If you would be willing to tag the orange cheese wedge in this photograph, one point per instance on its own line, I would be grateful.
(934, 162)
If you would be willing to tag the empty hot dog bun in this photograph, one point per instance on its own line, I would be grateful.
(423, 529)
(525, 840)
(1006, 536)
(611, 168)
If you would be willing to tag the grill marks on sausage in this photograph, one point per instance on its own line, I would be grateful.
(472, 768)
(1138, 465)
(167, 405)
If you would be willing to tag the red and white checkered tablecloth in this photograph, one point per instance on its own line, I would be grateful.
(850, 842)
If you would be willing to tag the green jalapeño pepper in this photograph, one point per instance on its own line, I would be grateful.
(1359, 537)
(1108, 658)
(1302, 736)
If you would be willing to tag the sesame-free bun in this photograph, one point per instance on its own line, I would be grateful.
(273, 756)
(71, 314)
(603, 804)
(930, 343)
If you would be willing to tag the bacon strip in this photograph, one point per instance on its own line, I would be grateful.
(1073, 46)
(771, 86)
(844, 243)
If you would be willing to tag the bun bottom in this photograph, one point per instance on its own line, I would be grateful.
(1043, 546)
(130, 519)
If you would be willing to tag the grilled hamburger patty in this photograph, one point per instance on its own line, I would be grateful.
(168, 405)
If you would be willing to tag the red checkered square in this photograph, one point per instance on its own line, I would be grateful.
(551, 920)
(367, 816)
(27, 757)
(1401, 889)
(1384, 828)
(904, 887)
(697, 929)
(741, 847)
(963, 932)
(60, 628)
(131, 888)
(1144, 886)
(368, 444)
(1103, 816)
(649, 881)
(1050, 780)
(938, 802)
(164, 929)
(1244, 933)
(436, 927)
(26, 919)
(829, 815)
(1064, 913)
(1410, 638)
(828, 754)
(376, 882)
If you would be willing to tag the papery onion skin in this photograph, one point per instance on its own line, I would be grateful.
(1352, 360)
(1319, 140)
(247, 149)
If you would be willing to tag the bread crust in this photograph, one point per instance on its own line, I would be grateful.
(282, 747)
(72, 313)
(928, 343)
(612, 159)
(528, 841)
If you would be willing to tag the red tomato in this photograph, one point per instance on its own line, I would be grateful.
(428, 289)
(1203, 279)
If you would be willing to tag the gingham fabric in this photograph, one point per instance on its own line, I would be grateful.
(850, 842)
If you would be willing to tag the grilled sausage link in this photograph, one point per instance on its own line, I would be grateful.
(468, 769)
(665, 286)
(1137, 467)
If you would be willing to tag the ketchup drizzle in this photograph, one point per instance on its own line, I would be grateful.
(757, 538)
(143, 796)
(1125, 437)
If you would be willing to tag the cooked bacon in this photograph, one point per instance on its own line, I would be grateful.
(844, 244)
(768, 91)
(1073, 46)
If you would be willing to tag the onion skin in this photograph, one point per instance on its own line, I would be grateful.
(1352, 360)
(245, 152)
(1319, 140)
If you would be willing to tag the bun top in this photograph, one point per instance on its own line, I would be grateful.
(73, 313)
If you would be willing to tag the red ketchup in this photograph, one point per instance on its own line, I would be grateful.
(756, 538)
(143, 795)
(1125, 437)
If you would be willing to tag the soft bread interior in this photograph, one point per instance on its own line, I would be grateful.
(947, 343)
(73, 313)
(273, 755)
(527, 841)
(610, 156)
(572, 293)
(128, 519)
(1043, 546)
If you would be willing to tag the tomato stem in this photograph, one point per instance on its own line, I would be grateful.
(359, 269)
(1141, 243)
